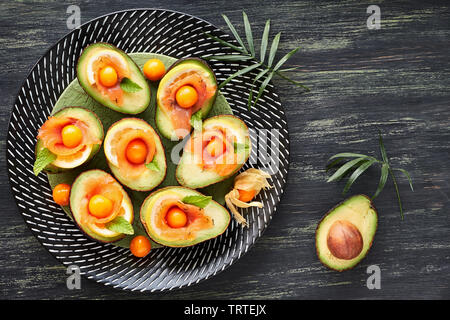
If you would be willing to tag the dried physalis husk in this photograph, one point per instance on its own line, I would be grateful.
(249, 180)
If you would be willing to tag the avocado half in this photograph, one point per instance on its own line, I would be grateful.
(190, 174)
(346, 232)
(149, 178)
(96, 128)
(159, 231)
(163, 117)
(133, 102)
(78, 193)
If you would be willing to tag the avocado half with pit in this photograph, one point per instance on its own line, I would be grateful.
(85, 186)
(97, 57)
(202, 223)
(172, 120)
(142, 174)
(345, 234)
(215, 152)
(90, 124)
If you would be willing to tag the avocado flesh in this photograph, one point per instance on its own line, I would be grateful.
(150, 178)
(190, 174)
(357, 210)
(163, 120)
(93, 123)
(133, 102)
(219, 215)
(76, 196)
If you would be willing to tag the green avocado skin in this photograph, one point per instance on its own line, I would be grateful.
(163, 123)
(354, 209)
(134, 103)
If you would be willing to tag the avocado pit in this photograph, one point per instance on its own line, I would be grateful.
(344, 240)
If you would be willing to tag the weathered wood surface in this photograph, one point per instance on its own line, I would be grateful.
(396, 79)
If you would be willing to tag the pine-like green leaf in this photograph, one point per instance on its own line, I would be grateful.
(285, 58)
(358, 171)
(406, 173)
(383, 179)
(248, 34)
(383, 150)
(234, 32)
(263, 86)
(273, 49)
(250, 96)
(264, 41)
(297, 83)
(289, 69)
(333, 163)
(225, 43)
(231, 57)
(342, 170)
(240, 72)
(397, 192)
(348, 155)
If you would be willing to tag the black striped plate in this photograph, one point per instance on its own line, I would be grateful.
(143, 30)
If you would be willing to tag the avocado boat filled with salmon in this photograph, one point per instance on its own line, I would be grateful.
(181, 217)
(214, 152)
(189, 86)
(73, 136)
(100, 206)
(135, 154)
(111, 77)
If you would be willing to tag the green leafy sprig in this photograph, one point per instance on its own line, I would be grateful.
(359, 164)
(248, 52)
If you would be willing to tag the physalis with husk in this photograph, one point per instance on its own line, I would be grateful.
(247, 185)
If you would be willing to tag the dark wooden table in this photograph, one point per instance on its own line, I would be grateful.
(396, 79)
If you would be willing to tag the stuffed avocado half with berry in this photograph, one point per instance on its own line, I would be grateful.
(181, 217)
(135, 154)
(68, 139)
(345, 234)
(101, 207)
(188, 87)
(216, 150)
(111, 77)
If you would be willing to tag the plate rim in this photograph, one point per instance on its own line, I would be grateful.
(85, 274)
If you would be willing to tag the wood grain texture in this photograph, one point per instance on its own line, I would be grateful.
(395, 79)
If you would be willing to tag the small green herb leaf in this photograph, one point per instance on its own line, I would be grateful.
(200, 201)
(43, 158)
(196, 120)
(153, 165)
(240, 146)
(119, 224)
(129, 85)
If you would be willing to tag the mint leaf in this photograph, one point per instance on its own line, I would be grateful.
(239, 146)
(200, 201)
(43, 158)
(130, 86)
(119, 224)
(196, 120)
(153, 165)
